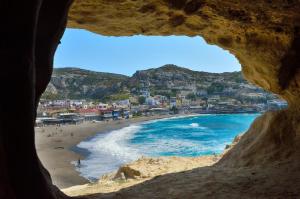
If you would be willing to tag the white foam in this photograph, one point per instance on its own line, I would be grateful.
(194, 125)
(108, 151)
(187, 126)
(114, 143)
(173, 118)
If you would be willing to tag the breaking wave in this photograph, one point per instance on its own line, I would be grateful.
(178, 136)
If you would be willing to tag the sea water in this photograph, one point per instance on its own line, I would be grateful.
(187, 136)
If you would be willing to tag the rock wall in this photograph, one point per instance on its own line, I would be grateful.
(263, 34)
(29, 36)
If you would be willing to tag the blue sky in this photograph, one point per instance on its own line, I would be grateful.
(125, 55)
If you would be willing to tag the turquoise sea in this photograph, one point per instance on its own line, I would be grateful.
(178, 136)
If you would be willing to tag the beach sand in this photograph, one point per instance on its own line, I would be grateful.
(139, 171)
(54, 145)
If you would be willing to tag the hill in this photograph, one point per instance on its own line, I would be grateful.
(168, 80)
(76, 83)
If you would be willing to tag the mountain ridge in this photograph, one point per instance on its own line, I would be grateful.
(169, 80)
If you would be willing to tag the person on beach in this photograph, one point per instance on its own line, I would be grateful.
(78, 162)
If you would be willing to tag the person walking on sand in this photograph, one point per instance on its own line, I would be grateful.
(78, 162)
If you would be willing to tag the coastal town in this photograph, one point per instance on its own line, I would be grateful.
(75, 95)
(76, 111)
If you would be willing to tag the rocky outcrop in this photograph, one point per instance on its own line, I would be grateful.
(272, 138)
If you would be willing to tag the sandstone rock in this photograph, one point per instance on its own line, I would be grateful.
(264, 35)
(126, 172)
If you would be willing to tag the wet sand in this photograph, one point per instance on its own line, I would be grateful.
(54, 146)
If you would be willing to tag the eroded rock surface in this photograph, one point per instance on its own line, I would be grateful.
(263, 34)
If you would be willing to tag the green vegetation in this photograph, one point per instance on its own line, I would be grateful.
(215, 87)
(168, 80)
(75, 83)
(51, 96)
(174, 92)
(116, 97)
(142, 100)
(238, 77)
(137, 114)
(174, 110)
(191, 96)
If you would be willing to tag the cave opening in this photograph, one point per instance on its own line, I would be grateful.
(262, 35)
(115, 72)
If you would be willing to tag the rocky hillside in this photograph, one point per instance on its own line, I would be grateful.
(171, 78)
(168, 80)
(75, 83)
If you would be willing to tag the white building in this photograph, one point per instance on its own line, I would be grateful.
(151, 101)
(102, 106)
(173, 102)
(145, 93)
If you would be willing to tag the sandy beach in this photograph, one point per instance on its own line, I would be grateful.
(54, 145)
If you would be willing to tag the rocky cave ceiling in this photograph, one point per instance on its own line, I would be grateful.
(263, 35)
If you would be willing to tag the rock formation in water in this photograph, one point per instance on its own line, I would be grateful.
(263, 34)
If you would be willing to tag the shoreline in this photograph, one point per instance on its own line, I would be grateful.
(55, 145)
(84, 152)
